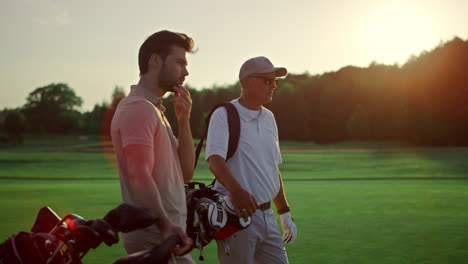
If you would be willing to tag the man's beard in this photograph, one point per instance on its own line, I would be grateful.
(165, 80)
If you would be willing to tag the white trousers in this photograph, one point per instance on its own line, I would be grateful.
(260, 243)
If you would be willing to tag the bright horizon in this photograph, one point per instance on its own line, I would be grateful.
(93, 46)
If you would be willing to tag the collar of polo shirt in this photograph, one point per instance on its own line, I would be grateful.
(246, 114)
(142, 91)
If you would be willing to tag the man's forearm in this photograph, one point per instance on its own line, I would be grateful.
(280, 200)
(148, 196)
(186, 151)
(243, 201)
(146, 193)
(140, 164)
(222, 173)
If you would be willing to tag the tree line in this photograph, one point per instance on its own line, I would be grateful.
(423, 102)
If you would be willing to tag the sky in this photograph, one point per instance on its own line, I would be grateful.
(92, 45)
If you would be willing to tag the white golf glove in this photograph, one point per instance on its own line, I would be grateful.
(289, 228)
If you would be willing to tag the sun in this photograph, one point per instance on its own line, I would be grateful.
(392, 32)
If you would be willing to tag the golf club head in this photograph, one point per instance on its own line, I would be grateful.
(46, 220)
(234, 223)
(106, 232)
(196, 219)
(217, 216)
(73, 220)
(65, 226)
(46, 244)
(85, 238)
(127, 218)
(227, 205)
(245, 221)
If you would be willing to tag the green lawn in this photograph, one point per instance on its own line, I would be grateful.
(416, 212)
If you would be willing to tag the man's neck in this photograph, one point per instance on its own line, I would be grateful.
(151, 85)
(249, 105)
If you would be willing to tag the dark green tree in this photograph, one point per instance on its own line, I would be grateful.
(52, 109)
(92, 120)
(358, 126)
(15, 126)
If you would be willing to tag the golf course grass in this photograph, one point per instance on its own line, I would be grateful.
(354, 206)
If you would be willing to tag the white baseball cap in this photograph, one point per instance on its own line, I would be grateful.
(260, 65)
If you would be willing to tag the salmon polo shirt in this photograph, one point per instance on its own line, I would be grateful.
(139, 120)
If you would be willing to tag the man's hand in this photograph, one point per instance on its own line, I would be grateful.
(289, 228)
(168, 229)
(182, 103)
(244, 202)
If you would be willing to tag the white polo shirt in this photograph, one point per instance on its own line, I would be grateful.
(255, 162)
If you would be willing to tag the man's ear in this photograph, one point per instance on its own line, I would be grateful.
(155, 61)
(245, 83)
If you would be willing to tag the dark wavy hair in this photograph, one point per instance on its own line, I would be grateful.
(161, 43)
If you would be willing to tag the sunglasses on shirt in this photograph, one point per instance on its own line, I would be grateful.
(267, 80)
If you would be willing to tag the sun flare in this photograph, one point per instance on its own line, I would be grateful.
(391, 33)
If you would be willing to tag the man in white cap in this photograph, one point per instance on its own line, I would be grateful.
(251, 176)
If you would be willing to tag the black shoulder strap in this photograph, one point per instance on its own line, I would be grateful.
(234, 130)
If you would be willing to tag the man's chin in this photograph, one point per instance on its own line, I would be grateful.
(168, 87)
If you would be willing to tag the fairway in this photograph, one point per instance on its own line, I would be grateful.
(350, 207)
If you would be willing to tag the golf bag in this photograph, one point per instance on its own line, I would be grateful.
(210, 215)
(55, 240)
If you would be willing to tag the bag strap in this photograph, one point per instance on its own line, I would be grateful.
(233, 121)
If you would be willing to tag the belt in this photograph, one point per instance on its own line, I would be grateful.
(264, 206)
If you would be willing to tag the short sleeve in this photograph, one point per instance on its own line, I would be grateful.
(279, 158)
(218, 134)
(139, 124)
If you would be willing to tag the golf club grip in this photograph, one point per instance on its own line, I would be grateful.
(158, 254)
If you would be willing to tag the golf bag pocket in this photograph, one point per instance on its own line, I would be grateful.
(210, 215)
